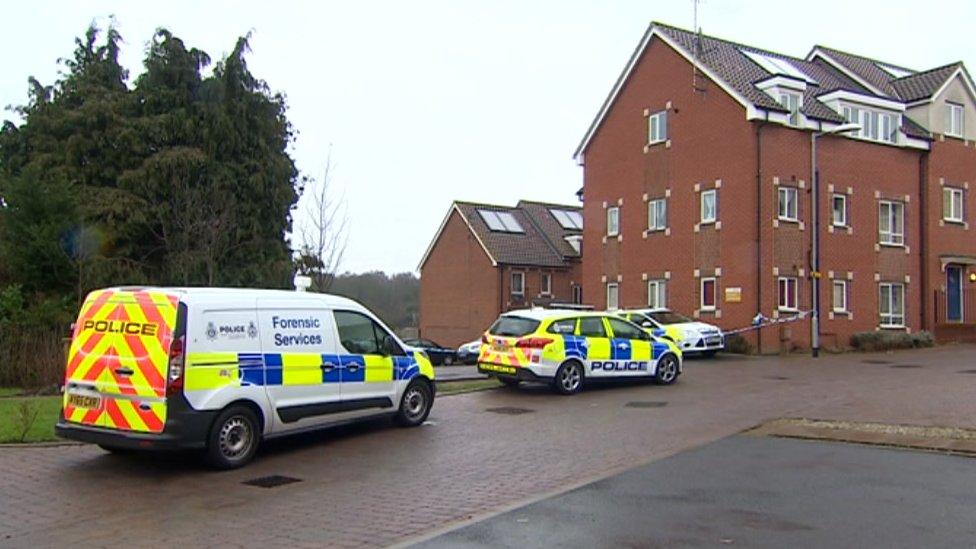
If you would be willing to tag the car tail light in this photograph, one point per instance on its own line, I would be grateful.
(533, 342)
(174, 377)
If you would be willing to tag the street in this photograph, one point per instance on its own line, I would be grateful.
(478, 455)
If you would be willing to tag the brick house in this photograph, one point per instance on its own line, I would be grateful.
(487, 259)
(697, 190)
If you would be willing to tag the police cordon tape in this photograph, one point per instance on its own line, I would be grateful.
(760, 321)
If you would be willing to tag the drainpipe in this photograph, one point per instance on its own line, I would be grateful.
(759, 226)
(923, 223)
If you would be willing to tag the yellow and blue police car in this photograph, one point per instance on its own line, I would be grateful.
(568, 348)
(689, 335)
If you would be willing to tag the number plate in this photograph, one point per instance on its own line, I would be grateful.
(84, 401)
(497, 368)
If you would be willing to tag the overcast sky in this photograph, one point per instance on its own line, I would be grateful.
(425, 102)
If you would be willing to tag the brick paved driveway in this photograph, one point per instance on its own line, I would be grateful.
(376, 485)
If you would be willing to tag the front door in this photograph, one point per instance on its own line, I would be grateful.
(954, 294)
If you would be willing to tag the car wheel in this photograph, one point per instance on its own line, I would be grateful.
(448, 361)
(508, 382)
(667, 370)
(234, 438)
(569, 378)
(415, 404)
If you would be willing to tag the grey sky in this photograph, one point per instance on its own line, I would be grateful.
(425, 102)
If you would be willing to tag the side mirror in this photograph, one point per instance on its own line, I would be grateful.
(390, 347)
(647, 324)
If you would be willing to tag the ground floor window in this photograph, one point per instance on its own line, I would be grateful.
(546, 284)
(891, 304)
(613, 291)
(657, 291)
(839, 296)
(577, 294)
(787, 293)
(518, 284)
(708, 294)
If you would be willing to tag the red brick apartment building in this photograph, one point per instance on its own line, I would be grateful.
(698, 195)
(486, 259)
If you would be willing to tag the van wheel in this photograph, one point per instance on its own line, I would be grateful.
(667, 370)
(569, 378)
(415, 404)
(233, 438)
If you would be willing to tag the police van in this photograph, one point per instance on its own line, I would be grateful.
(567, 348)
(222, 369)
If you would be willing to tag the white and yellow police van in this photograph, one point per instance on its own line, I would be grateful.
(222, 369)
(567, 348)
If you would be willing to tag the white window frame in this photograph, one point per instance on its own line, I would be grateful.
(657, 214)
(783, 298)
(955, 119)
(657, 293)
(792, 101)
(657, 127)
(714, 213)
(783, 204)
(891, 318)
(613, 220)
(521, 278)
(955, 203)
(833, 210)
(616, 295)
(890, 236)
(545, 284)
(701, 294)
(880, 126)
(843, 307)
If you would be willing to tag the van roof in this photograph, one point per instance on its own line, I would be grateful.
(202, 293)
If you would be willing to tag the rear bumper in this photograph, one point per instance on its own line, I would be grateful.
(521, 374)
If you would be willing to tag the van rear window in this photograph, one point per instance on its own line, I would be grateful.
(513, 326)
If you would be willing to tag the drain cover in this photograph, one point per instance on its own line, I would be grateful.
(646, 404)
(875, 361)
(967, 371)
(509, 410)
(272, 481)
(906, 365)
(777, 378)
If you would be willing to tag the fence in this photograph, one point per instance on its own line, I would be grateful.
(963, 313)
(31, 358)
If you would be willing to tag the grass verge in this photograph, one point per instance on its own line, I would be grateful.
(35, 415)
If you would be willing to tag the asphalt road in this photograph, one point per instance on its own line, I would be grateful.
(753, 492)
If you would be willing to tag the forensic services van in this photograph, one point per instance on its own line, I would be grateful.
(220, 369)
(568, 348)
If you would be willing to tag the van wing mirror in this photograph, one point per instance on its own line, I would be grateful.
(391, 347)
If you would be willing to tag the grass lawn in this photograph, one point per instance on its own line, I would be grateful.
(457, 387)
(43, 427)
(10, 391)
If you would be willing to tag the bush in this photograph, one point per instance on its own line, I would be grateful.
(737, 344)
(884, 341)
(31, 358)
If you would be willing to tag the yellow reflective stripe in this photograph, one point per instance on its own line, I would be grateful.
(674, 333)
(598, 348)
(555, 351)
(426, 368)
(640, 350)
(127, 407)
(378, 368)
(301, 369)
(210, 371)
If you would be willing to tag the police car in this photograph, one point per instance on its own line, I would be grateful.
(691, 336)
(222, 369)
(567, 348)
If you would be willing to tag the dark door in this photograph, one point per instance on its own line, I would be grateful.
(953, 294)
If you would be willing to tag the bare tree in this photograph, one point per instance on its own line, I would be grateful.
(322, 230)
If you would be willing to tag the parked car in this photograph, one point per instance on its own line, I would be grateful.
(468, 353)
(438, 354)
(690, 335)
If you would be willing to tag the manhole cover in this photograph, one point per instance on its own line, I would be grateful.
(646, 404)
(272, 481)
(777, 378)
(967, 371)
(906, 365)
(876, 361)
(509, 410)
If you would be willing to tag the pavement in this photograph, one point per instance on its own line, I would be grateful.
(753, 492)
(479, 454)
(458, 372)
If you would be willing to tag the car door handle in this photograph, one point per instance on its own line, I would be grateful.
(353, 367)
(124, 371)
(621, 345)
(327, 367)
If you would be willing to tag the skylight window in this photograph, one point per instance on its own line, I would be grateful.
(775, 65)
(569, 220)
(895, 71)
(502, 222)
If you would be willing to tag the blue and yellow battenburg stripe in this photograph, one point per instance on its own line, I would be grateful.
(214, 370)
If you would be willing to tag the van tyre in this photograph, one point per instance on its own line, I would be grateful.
(233, 438)
(415, 404)
(569, 378)
(667, 370)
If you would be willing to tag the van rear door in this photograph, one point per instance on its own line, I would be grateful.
(117, 363)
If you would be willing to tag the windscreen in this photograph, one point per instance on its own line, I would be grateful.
(669, 317)
(513, 326)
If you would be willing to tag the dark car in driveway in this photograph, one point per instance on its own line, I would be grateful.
(438, 355)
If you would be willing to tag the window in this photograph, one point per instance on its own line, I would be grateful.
(839, 207)
(625, 330)
(518, 284)
(952, 204)
(788, 197)
(839, 304)
(568, 219)
(564, 326)
(657, 292)
(546, 284)
(787, 293)
(708, 294)
(613, 221)
(503, 222)
(657, 215)
(777, 65)
(577, 294)
(657, 127)
(875, 125)
(592, 326)
(891, 305)
(792, 102)
(613, 291)
(954, 120)
(891, 223)
(359, 334)
(709, 206)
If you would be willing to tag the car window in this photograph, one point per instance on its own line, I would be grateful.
(513, 326)
(625, 330)
(564, 326)
(592, 326)
(358, 333)
(669, 317)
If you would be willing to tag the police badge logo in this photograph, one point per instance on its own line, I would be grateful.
(211, 331)
(252, 330)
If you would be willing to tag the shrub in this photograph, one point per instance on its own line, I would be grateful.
(884, 341)
(737, 344)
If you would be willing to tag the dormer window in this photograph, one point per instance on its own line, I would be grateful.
(792, 101)
(875, 125)
(954, 119)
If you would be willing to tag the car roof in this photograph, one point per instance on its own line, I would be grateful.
(208, 294)
(545, 314)
(647, 311)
